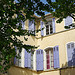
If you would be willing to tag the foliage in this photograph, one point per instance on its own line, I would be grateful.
(62, 8)
(9, 23)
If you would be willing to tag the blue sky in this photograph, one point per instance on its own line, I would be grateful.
(44, 1)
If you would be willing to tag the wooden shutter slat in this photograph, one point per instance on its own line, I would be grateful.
(53, 24)
(39, 59)
(42, 31)
(26, 59)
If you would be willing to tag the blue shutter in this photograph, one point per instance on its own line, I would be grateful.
(39, 59)
(56, 56)
(32, 60)
(68, 21)
(42, 31)
(53, 24)
(29, 60)
(42, 64)
(69, 53)
(23, 25)
(31, 25)
(26, 59)
(73, 57)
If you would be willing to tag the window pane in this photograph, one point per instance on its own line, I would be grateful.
(48, 60)
(72, 45)
(68, 46)
(48, 66)
(47, 29)
(47, 56)
(51, 29)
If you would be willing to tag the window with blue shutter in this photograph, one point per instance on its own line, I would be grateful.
(42, 26)
(56, 56)
(53, 24)
(49, 58)
(39, 59)
(50, 26)
(32, 26)
(32, 59)
(26, 59)
(68, 21)
(73, 57)
(23, 25)
(29, 59)
(71, 54)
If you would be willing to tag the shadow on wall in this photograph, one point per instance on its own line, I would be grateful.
(20, 71)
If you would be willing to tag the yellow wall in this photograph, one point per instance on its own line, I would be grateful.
(57, 72)
(25, 71)
(60, 39)
(68, 71)
(21, 71)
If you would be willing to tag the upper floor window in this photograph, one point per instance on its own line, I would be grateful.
(49, 27)
(68, 21)
(31, 26)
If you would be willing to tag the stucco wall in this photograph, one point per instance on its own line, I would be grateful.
(60, 39)
(20, 71)
(24, 71)
(68, 71)
(57, 72)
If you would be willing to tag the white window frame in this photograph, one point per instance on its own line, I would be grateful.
(66, 49)
(49, 23)
(45, 59)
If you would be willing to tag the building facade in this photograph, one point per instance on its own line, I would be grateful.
(56, 45)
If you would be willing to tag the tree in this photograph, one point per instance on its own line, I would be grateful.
(8, 25)
(62, 9)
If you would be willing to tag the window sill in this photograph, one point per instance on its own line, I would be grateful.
(56, 33)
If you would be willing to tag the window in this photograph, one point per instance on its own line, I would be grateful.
(52, 58)
(32, 26)
(17, 61)
(32, 59)
(49, 58)
(49, 28)
(39, 59)
(71, 54)
(68, 21)
(29, 59)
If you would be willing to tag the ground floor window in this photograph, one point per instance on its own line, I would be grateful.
(49, 58)
(71, 53)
